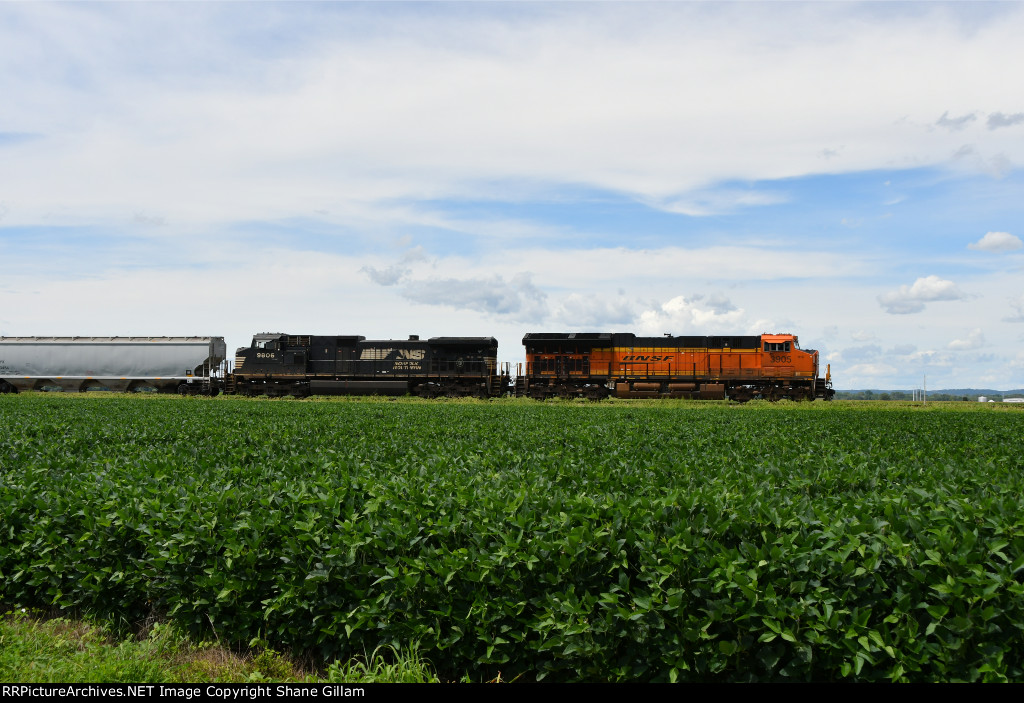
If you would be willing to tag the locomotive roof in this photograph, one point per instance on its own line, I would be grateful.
(107, 340)
(628, 339)
(562, 336)
(717, 341)
(440, 341)
(462, 340)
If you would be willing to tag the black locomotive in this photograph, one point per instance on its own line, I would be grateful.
(281, 364)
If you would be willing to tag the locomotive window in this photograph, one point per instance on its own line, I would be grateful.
(787, 346)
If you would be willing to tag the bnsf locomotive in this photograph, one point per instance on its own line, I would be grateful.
(280, 364)
(741, 368)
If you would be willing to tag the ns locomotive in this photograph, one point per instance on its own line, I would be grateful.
(281, 364)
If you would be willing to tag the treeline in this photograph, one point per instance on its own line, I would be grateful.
(908, 395)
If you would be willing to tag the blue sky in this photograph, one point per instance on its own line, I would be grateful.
(849, 172)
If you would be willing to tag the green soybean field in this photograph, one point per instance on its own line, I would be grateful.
(566, 541)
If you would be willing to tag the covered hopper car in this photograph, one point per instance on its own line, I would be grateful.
(169, 364)
(740, 367)
(282, 364)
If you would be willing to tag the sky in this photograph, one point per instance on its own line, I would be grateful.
(847, 172)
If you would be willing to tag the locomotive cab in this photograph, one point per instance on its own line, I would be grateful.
(778, 349)
(271, 354)
(794, 370)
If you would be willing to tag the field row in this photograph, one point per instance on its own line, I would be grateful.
(681, 541)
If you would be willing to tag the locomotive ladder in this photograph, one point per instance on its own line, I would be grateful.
(227, 376)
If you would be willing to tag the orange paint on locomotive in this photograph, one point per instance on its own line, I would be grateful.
(778, 356)
(739, 367)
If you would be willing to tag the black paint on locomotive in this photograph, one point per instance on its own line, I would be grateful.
(280, 364)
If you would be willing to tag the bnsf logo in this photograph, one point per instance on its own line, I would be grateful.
(647, 357)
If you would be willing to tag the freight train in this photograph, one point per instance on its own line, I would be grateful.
(564, 365)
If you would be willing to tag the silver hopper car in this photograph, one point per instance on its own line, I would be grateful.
(167, 364)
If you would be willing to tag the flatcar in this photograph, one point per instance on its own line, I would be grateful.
(283, 364)
(740, 367)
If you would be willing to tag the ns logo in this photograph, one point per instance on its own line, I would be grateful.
(379, 354)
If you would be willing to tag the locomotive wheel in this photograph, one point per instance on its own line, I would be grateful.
(741, 394)
(428, 390)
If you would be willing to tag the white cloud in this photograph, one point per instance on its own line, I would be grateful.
(870, 370)
(716, 202)
(998, 119)
(590, 312)
(863, 336)
(912, 299)
(901, 350)
(221, 120)
(858, 355)
(517, 298)
(693, 315)
(997, 242)
(580, 267)
(388, 276)
(974, 340)
(955, 124)
(1018, 308)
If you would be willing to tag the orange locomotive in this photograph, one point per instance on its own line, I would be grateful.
(740, 367)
